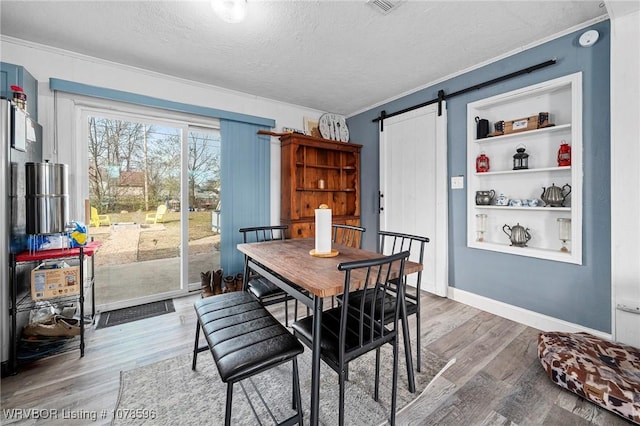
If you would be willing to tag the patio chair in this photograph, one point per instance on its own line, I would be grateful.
(351, 330)
(158, 216)
(98, 219)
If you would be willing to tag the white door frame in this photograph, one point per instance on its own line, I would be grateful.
(625, 229)
(441, 238)
(79, 159)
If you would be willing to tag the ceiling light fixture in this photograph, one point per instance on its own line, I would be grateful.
(231, 11)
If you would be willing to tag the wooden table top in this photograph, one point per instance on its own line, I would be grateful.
(318, 275)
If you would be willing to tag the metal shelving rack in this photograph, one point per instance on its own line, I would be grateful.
(26, 304)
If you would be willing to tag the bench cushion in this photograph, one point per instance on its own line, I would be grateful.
(244, 338)
(603, 372)
(261, 288)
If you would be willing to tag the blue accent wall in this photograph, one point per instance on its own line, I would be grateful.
(244, 182)
(579, 294)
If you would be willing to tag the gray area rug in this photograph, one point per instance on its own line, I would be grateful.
(169, 392)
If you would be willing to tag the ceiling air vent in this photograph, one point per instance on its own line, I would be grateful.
(384, 6)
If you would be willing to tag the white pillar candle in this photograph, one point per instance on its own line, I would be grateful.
(323, 231)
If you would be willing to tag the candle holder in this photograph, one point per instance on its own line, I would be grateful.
(520, 158)
(564, 233)
(481, 226)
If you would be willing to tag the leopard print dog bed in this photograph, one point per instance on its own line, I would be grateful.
(603, 372)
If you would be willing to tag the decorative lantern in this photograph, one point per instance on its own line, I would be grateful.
(520, 159)
(564, 233)
(564, 154)
(482, 163)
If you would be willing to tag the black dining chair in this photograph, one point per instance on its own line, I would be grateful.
(263, 289)
(351, 330)
(395, 242)
(346, 235)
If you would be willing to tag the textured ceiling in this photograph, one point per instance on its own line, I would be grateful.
(336, 56)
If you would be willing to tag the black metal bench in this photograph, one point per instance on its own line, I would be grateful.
(245, 339)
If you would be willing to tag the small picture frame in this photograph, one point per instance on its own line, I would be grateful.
(311, 127)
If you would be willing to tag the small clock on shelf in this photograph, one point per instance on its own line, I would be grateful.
(334, 127)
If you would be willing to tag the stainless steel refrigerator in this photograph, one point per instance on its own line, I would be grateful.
(21, 140)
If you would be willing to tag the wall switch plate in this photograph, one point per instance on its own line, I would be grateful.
(457, 182)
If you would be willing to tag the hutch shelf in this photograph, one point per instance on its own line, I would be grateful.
(562, 99)
(318, 171)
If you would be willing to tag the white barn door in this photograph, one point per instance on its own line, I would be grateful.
(413, 186)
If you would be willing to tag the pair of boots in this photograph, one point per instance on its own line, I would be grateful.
(233, 283)
(211, 282)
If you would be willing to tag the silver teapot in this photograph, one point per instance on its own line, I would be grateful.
(484, 198)
(518, 235)
(555, 196)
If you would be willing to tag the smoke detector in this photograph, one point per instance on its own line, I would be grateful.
(384, 6)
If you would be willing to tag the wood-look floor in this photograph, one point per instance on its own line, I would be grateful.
(496, 379)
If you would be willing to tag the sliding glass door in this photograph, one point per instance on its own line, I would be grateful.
(203, 183)
(154, 190)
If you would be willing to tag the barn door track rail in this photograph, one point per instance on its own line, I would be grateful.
(442, 96)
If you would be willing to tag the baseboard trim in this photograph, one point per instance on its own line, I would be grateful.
(520, 315)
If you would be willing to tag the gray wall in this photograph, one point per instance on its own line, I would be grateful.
(579, 294)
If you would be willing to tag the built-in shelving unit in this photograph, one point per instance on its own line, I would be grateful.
(562, 99)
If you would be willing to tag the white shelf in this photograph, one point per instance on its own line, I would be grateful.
(548, 254)
(536, 170)
(562, 99)
(525, 134)
(540, 208)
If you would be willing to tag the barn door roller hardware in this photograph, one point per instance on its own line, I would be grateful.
(442, 96)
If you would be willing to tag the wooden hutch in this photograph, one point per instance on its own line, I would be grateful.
(318, 171)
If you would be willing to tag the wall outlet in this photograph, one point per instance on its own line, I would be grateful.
(457, 182)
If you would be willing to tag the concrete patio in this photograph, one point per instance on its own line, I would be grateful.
(121, 275)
